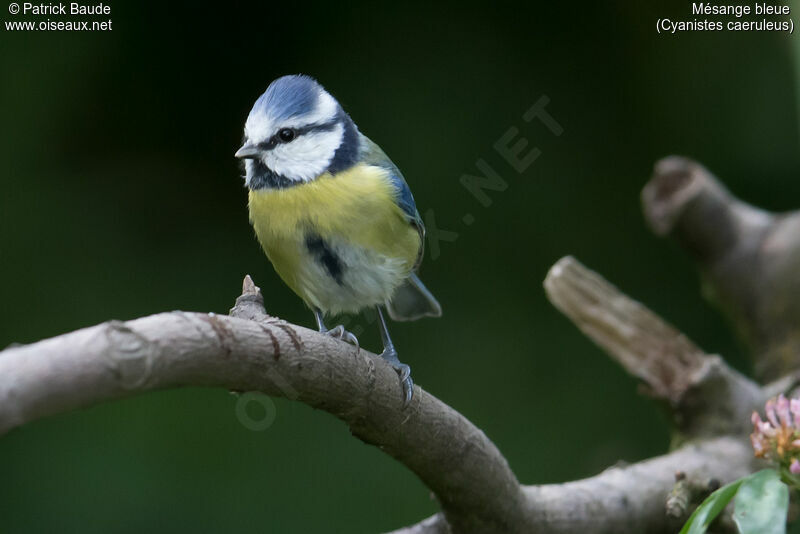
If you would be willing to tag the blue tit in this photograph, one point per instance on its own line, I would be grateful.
(333, 213)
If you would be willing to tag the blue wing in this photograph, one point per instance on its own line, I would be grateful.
(373, 155)
(412, 300)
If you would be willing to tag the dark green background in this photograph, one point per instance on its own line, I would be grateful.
(121, 198)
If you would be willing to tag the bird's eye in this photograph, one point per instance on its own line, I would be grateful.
(286, 134)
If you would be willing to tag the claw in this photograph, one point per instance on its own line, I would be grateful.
(408, 390)
(403, 371)
(338, 332)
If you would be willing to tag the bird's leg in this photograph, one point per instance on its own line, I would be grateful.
(337, 332)
(390, 355)
(320, 322)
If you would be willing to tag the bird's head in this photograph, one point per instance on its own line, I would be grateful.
(295, 132)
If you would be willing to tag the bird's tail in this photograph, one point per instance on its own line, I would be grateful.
(412, 301)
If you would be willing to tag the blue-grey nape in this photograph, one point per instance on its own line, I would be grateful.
(289, 96)
(350, 148)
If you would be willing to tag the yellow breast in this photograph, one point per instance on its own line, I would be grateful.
(356, 212)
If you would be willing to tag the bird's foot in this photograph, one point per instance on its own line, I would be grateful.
(338, 332)
(404, 372)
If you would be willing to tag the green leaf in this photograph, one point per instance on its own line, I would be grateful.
(761, 504)
(710, 508)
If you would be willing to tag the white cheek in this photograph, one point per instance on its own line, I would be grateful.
(306, 157)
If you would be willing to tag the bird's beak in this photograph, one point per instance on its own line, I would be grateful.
(248, 152)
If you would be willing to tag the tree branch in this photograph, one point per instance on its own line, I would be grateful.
(710, 403)
(705, 396)
(472, 480)
(250, 350)
(749, 258)
(620, 500)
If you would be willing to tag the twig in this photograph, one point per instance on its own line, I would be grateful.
(680, 497)
(706, 397)
(687, 492)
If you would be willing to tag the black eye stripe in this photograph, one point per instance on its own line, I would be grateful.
(268, 145)
(318, 127)
(275, 140)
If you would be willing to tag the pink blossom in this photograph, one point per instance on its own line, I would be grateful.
(769, 409)
(758, 445)
(782, 408)
(794, 407)
(769, 430)
(765, 428)
(778, 438)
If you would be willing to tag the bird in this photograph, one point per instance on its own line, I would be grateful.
(334, 215)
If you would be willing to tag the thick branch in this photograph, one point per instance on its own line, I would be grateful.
(749, 258)
(477, 490)
(622, 500)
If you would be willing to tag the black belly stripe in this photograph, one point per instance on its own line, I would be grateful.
(327, 257)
